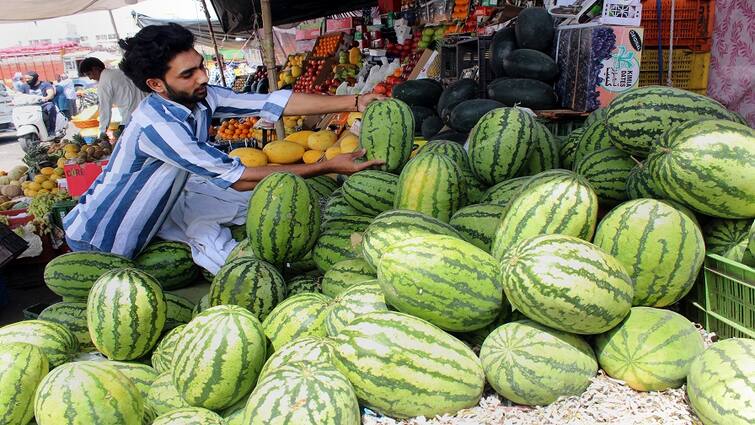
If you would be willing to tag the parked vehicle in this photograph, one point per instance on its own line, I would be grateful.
(6, 108)
(29, 121)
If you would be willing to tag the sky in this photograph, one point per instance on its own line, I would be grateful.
(95, 23)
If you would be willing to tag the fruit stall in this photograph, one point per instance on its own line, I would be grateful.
(553, 238)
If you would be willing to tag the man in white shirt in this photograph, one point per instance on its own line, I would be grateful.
(113, 88)
(69, 91)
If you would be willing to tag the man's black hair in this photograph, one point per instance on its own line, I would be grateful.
(146, 54)
(89, 64)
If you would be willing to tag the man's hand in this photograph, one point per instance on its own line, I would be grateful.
(346, 163)
(366, 99)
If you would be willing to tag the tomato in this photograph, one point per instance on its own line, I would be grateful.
(379, 88)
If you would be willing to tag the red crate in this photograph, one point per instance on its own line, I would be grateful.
(693, 23)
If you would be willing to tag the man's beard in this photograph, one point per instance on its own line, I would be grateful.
(185, 98)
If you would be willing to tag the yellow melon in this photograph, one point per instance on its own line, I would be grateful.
(59, 171)
(322, 140)
(250, 157)
(353, 117)
(283, 152)
(300, 137)
(312, 156)
(349, 142)
(39, 178)
(47, 171)
(48, 185)
(332, 152)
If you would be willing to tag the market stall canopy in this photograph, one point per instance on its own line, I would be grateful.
(285, 40)
(242, 15)
(33, 10)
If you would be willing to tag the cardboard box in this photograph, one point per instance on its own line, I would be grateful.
(80, 176)
(597, 63)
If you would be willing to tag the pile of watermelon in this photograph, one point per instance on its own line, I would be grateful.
(517, 261)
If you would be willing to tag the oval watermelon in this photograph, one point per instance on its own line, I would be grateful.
(402, 366)
(661, 249)
(448, 282)
(387, 133)
(526, 362)
(566, 283)
(283, 219)
(22, 367)
(250, 283)
(297, 316)
(651, 350)
(432, 184)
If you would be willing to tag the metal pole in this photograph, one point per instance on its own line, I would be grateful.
(218, 58)
(112, 21)
(268, 58)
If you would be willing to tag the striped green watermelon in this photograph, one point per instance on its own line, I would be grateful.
(651, 350)
(721, 383)
(336, 245)
(126, 313)
(300, 284)
(448, 282)
(22, 367)
(250, 283)
(140, 374)
(355, 301)
(636, 119)
(297, 316)
(402, 366)
(72, 315)
(661, 249)
(179, 310)
(162, 356)
(371, 191)
(336, 206)
(477, 337)
(87, 392)
(451, 149)
(355, 223)
(568, 148)
(169, 262)
(218, 357)
(477, 223)
(72, 275)
(398, 225)
(684, 210)
(387, 133)
(323, 186)
(737, 253)
(432, 184)
(55, 340)
(607, 170)
(283, 219)
(721, 234)
(708, 166)
(305, 265)
(312, 349)
(565, 204)
(596, 115)
(202, 305)
(163, 396)
(242, 249)
(544, 153)
(345, 274)
(500, 143)
(505, 191)
(640, 184)
(475, 188)
(594, 138)
(234, 415)
(532, 364)
(303, 393)
(190, 416)
(567, 284)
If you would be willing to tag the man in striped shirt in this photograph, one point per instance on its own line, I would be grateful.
(166, 141)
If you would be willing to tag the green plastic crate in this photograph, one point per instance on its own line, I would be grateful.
(723, 298)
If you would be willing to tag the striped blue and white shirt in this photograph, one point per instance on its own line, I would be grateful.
(164, 142)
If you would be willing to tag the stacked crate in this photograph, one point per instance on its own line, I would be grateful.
(692, 38)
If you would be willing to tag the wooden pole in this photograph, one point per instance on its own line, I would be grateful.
(218, 58)
(268, 57)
